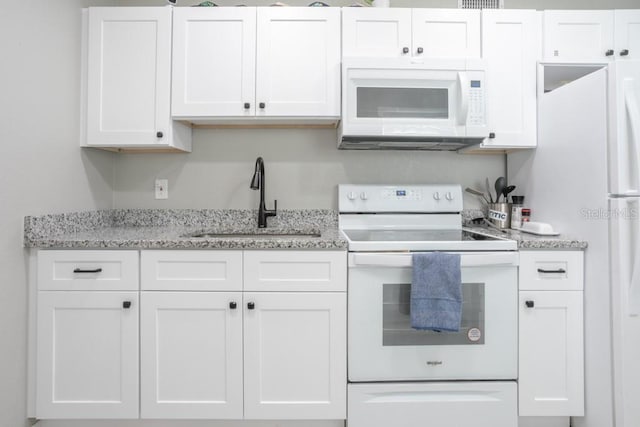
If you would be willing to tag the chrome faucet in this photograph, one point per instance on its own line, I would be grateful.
(257, 183)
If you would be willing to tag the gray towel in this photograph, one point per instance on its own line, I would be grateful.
(436, 292)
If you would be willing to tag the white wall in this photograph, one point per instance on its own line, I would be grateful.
(42, 169)
(302, 166)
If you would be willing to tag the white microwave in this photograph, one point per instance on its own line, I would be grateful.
(395, 103)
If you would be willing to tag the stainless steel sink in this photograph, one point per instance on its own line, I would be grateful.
(265, 235)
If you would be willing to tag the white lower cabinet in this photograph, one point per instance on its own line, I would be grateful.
(191, 355)
(295, 355)
(551, 349)
(279, 353)
(87, 359)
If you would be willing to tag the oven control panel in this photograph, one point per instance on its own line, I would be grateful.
(400, 198)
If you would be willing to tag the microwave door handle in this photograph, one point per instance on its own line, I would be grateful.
(463, 84)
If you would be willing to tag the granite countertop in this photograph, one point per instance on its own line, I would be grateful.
(170, 229)
(530, 241)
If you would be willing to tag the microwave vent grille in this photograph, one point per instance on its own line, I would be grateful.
(481, 4)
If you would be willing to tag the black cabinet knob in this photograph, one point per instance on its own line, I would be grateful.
(233, 305)
(262, 105)
(405, 50)
(251, 305)
(492, 135)
(159, 134)
(609, 52)
(420, 50)
(247, 105)
(624, 52)
(529, 304)
(126, 304)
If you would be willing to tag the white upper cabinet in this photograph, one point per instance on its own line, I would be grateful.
(627, 34)
(591, 35)
(376, 32)
(446, 33)
(397, 32)
(298, 62)
(239, 63)
(128, 78)
(213, 61)
(511, 44)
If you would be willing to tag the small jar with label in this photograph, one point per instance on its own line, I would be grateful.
(516, 212)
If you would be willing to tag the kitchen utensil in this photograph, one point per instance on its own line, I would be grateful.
(501, 182)
(488, 189)
(477, 193)
(506, 190)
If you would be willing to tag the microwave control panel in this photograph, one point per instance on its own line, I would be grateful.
(476, 103)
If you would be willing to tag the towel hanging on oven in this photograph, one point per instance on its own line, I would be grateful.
(436, 292)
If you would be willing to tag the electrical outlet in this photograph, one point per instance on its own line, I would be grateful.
(162, 188)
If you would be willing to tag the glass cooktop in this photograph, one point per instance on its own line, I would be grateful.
(415, 236)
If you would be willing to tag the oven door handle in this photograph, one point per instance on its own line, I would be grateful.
(487, 259)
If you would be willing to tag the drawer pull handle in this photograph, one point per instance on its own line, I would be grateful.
(93, 270)
(529, 304)
(251, 305)
(233, 305)
(558, 271)
(126, 304)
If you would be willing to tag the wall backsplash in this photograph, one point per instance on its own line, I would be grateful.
(303, 167)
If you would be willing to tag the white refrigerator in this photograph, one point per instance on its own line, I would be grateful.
(584, 179)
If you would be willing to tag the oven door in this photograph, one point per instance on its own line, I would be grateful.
(384, 347)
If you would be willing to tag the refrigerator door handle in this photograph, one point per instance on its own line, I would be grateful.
(631, 104)
(633, 117)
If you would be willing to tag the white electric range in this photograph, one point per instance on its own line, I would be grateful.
(400, 376)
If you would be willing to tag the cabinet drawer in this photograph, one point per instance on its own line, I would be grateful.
(164, 270)
(87, 270)
(551, 270)
(295, 271)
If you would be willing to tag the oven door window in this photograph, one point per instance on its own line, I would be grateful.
(396, 323)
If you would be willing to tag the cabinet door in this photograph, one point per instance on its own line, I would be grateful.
(295, 355)
(446, 33)
(376, 32)
(298, 62)
(213, 62)
(129, 66)
(551, 379)
(511, 45)
(573, 35)
(87, 355)
(191, 355)
(627, 34)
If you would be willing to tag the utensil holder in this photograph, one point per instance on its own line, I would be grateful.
(500, 214)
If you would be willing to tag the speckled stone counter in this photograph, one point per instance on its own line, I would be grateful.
(171, 229)
(530, 241)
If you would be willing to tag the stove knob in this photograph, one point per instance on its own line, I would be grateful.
(449, 196)
(351, 195)
(364, 196)
(436, 196)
